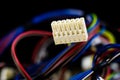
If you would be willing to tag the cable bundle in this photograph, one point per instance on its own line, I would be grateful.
(43, 70)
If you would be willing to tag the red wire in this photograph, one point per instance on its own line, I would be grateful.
(13, 52)
(32, 33)
(5, 42)
(69, 54)
(37, 47)
(66, 56)
(108, 72)
(62, 73)
(94, 31)
(104, 55)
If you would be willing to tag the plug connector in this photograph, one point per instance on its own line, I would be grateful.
(69, 31)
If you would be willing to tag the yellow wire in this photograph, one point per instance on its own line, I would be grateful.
(107, 33)
(110, 36)
(93, 21)
(69, 44)
(110, 76)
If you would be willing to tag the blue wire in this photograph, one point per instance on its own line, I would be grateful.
(62, 53)
(57, 13)
(48, 15)
(83, 74)
(88, 44)
(118, 59)
(95, 25)
(31, 70)
(103, 49)
(16, 32)
(80, 76)
(65, 12)
(57, 57)
(45, 16)
(88, 19)
(35, 67)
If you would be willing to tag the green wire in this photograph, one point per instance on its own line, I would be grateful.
(94, 21)
(110, 76)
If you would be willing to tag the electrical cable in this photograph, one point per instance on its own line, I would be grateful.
(13, 52)
(42, 51)
(61, 60)
(65, 55)
(37, 66)
(107, 73)
(85, 49)
(94, 23)
(88, 44)
(79, 76)
(54, 60)
(69, 51)
(37, 47)
(103, 49)
(64, 58)
(109, 59)
(110, 36)
(57, 13)
(113, 58)
(39, 19)
(32, 70)
(8, 39)
(104, 55)
(86, 74)
(57, 57)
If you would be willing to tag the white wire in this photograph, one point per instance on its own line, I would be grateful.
(88, 75)
(114, 57)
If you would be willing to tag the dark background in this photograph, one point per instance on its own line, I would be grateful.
(13, 14)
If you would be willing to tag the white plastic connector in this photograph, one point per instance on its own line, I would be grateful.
(69, 31)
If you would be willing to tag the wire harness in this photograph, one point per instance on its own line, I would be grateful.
(46, 63)
(69, 31)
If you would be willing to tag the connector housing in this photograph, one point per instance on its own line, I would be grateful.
(69, 31)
